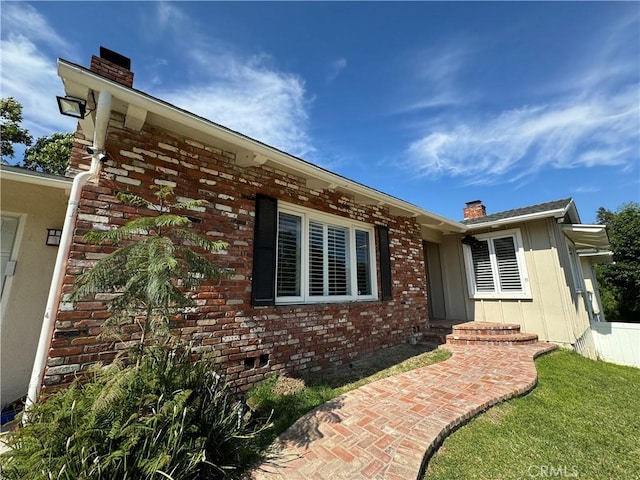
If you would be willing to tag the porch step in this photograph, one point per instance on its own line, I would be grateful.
(487, 333)
(437, 331)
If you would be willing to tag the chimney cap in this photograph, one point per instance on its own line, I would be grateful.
(115, 57)
(473, 203)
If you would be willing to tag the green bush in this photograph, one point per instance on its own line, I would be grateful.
(162, 417)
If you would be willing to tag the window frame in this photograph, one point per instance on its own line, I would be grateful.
(308, 215)
(525, 293)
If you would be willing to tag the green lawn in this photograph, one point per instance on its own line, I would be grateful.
(581, 421)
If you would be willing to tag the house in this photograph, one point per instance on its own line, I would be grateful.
(326, 269)
(33, 210)
(531, 266)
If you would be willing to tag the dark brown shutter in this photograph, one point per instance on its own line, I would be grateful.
(263, 286)
(385, 262)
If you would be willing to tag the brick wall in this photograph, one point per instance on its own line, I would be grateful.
(474, 209)
(249, 341)
(112, 71)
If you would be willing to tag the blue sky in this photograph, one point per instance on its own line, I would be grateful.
(435, 103)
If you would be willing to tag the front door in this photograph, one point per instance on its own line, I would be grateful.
(435, 289)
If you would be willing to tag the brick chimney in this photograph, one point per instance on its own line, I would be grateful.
(113, 66)
(474, 209)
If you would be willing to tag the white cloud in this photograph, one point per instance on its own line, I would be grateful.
(24, 19)
(30, 77)
(435, 76)
(244, 92)
(596, 122)
(251, 98)
(586, 189)
(27, 73)
(336, 68)
(509, 147)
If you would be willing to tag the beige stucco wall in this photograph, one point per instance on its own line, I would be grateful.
(553, 313)
(25, 295)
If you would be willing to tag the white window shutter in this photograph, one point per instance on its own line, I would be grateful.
(508, 271)
(482, 270)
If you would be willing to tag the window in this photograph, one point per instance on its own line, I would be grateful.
(496, 267)
(8, 229)
(322, 258)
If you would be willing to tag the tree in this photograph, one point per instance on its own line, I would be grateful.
(155, 266)
(49, 154)
(165, 416)
(620, 282)
(10, 130)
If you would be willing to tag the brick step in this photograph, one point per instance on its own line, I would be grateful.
(433, 337)
(489, 339)
(439, 328)
(489, 333)
(486, 328)
(437, 331)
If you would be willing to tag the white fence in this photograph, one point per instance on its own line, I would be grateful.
(617, 342)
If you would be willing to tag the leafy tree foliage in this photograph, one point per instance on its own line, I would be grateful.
(165, 417)
(49, 154)
(620, 281)
(10, 130)
(161, 416)
(155, 267)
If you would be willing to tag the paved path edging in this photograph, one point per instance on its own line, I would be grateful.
(389, 429)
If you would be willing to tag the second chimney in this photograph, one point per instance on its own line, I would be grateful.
(113, 66)
(474, 209)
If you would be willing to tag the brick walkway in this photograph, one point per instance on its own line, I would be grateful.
(386, 430)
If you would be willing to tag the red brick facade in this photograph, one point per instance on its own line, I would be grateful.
(249, 341)
(112, 71)
(474, 209)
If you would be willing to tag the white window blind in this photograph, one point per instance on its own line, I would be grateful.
(321, 258)
(289, 236)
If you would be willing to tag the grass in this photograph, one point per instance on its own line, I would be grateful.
(290, 399)
(581, 421)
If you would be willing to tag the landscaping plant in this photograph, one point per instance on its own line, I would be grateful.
(163, 413)
(157, 265)
(164, 417)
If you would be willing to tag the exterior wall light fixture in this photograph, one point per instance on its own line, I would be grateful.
(72, 107)
(53, 236)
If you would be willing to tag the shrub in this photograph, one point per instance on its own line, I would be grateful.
(162, 417)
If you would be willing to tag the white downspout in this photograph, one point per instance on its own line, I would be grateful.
(103, 113)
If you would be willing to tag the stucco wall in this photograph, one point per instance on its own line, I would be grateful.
(25, 295)
(552, 311)
(294, 338)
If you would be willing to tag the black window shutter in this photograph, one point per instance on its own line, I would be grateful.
(263, 286)
(385, 262)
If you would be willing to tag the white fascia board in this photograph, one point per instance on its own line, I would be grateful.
(559, 213)
(80, 75)
(34, 179)
(596, 256)
(587, 236)
(572, 211)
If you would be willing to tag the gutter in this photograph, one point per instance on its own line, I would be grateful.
(130, 96)
(103, 113)
(520, 218)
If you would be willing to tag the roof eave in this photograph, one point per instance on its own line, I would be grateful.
(71, 72)
(557, 213)
(34, 178)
